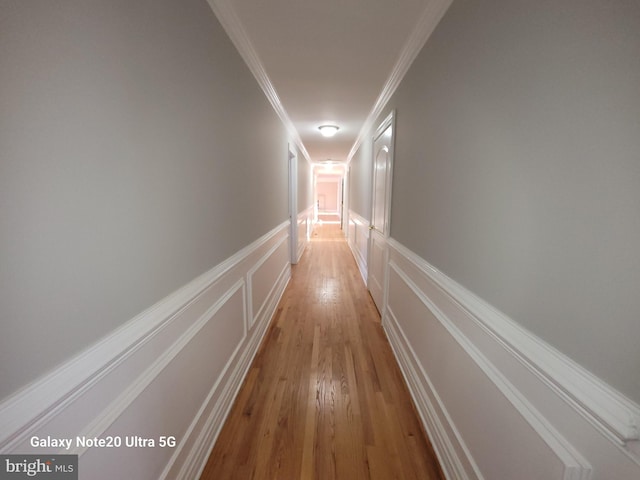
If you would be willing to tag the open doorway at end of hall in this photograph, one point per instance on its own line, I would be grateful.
(329, 195)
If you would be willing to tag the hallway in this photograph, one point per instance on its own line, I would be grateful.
(159, 160)
(324, 397)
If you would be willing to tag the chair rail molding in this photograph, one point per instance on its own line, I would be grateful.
(562, 419)
(614, 414)
(172, 370)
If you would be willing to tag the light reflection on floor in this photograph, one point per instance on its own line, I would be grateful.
(328, 292)
(320, 230)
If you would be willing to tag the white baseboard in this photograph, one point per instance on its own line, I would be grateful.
(174, 370)
(358, 240)
(213, 412)
(497, 401)
(450, 448)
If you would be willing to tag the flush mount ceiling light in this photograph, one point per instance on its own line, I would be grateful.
(328, 130)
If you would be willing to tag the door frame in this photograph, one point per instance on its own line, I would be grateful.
(293, 205)
(389, 121)
(345, 200)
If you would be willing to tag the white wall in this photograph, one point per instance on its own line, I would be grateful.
(496, 401)
(143, 227)
(134, 141)
(172, 371)
(360, 177)
(513, 260)
(305, 210)
(305, 184)
(517, 173)
(327, 192)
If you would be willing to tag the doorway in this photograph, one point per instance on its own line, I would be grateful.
(293, 205)
(329, 193)
(383, 140)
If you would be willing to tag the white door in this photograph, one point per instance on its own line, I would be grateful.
(380, 211)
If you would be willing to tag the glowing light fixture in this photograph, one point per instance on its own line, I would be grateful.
(328, 130)
(328, 166)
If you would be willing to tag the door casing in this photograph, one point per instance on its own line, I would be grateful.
(293, 205)
(380, 224)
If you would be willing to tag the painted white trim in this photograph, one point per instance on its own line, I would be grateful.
(118, 406)
(429, 19)
(576, 467)
(118, 369)
(229, 20)
(389, 121)
(345, 201)
(305, 227)
(206, 436)
(377, 278)
(452, 347)
(292, 163)
(431, 408)
(359, 229)
(605, 408)
(253, 318)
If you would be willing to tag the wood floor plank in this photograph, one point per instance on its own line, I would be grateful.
(324, 398)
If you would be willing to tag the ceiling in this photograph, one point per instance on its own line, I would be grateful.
(331, 61)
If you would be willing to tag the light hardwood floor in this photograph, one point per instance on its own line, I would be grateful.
(324, 398)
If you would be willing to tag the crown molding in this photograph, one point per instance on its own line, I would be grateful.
(229, 20)
(431, 16)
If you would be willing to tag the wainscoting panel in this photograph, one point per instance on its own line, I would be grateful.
(305, 227)
(171, 372)
(494, 405)
(261, 277)
(358, 239)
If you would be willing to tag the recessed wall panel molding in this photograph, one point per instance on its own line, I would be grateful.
(172, 372)
(358, 239)
(305, 229)
(454, 456)
(260, 277)
(497, 401)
